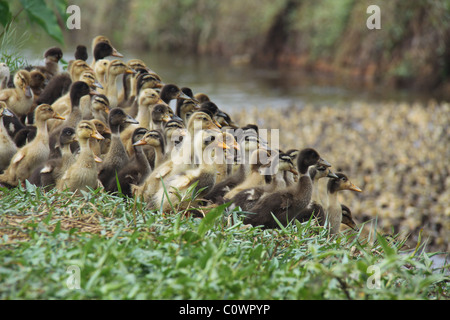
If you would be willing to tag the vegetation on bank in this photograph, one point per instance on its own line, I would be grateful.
(125, 252)
(410, 50)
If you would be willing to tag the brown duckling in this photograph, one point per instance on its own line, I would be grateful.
(143, 81)
(136, 170)
(159, 116)
(81, 53)
(54, 168)
(7, 146)
(33, 154)
(57, 87)
(99, 108)
(334, 209)
(285, 204)
(170, 92)
(52, 57)
(117, 157)
(19, 99)
(102, 48)
(82, 174)
(247, 198)
(315, 207)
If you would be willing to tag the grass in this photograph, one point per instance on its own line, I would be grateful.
(126, 252)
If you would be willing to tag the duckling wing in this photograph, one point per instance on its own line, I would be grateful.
(18, 157)
(4, 95)
(278, 204)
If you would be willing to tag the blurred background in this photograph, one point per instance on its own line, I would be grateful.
(373, 102)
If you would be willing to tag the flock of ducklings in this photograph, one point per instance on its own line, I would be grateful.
(76, 130)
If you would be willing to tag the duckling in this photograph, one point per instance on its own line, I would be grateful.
(174, 131)
(52, 57)
(33, 154)
(170, 92)
(117, 157)
(185, 107)
(247, 198)
(4, 76)
(129, 80)
(135, 171)
(78, 91)
(204, 175)
(143, 81)
(57, 87)
(285, 204)
(226, 158)
(216, 112)
(148, 98)
(7, 146)
(25, 135)
(290, 177)
(160, 115)
(115, 69)
(334, 209)
(102, 48)
(83, 173)
(19, 99)
(100, 68)
(95, 144)
(47, 174)
(100, 108)
(347, 218)
(76, 69)
(260, 158)
(81, 53)
(315, 207)
(248, 145)
(201, 97)
(155, 140)
(37, 83)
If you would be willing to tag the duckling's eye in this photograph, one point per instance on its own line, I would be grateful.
(344, 179)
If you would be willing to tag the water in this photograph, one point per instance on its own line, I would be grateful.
(233, 87)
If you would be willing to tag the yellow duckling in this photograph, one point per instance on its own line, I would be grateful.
(19, 99)
(33, 154)
(83, 173)
(7, 146)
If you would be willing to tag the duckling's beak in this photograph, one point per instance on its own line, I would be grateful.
(331, 174)
(106, 110)
(130, 119)
(130, 71)
(7, 113)
(97, 159)
(140, 143)
(161, 101)
(293, 171)
(222, 145)
(117, 53)
(166, 118)
(56, 115)
(97, 136)
(175, 117)
(107, 131)
(216, 123)
(323, 162)
(354, 188)
(27, 91)
(159, 85)
(98, 84)
(184, 96)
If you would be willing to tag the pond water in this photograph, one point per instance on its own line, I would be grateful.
(239, 86)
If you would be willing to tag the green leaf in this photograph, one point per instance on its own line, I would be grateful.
(210, 218)
(5, 14)
(385, 245)
(40, 13)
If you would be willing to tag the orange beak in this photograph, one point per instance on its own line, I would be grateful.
(140, 143)
(56, 115)
(354, 188)
(97, 159)
(97, 136)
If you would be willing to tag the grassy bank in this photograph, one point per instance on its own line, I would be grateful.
(124, 252)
